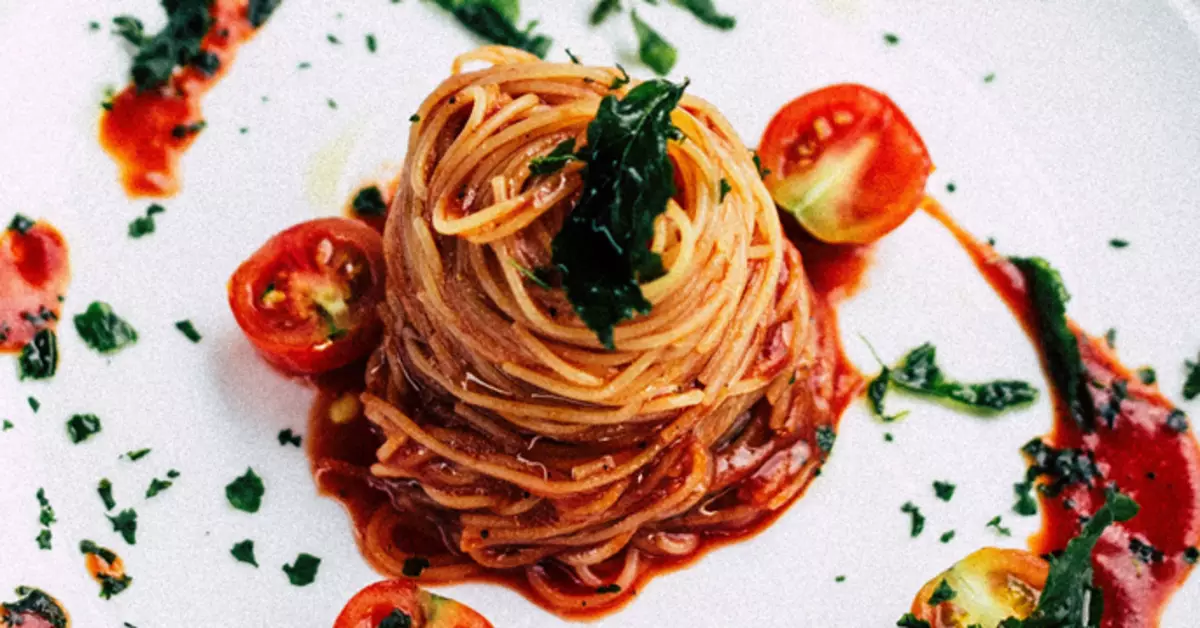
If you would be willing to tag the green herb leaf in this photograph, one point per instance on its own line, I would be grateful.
(555, 159)
(44, 539)
(707, 13)
(1147, 375)
(942, 593)
(1026, 505)
(620, 81)
(825, 437)
(877, 390)
(396, 619)
(1191, 386)
(46, 512)
(1048, 297)
(287, 437)
(188, 329)
(946, 536)
(891, 39)
(1118, 243)
(245, 493)
(34, 404)
(176, 45)
(303, 570)
(943, 490)
(602, 11)
(995, 524)
(157, 486)
(80, 427)
(918, 520)
(534, 277)
(103, 330)
(495, 21)
(90, 547)
(653, 50)
(125, 523)
(372, 44)
(725, 189)
(20, 224)
(413, 567)
(243, 551)
(908, 620)
(1177, 421)
(1061, 467)
(918, 372)
(260, 10)
(106, 495)
(39, 356)
(369, 202)
(136, 455)
(36, 602)
(603, 249)
(8, 425)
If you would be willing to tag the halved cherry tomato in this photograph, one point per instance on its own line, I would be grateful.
(35, 609)
(307, 299)
(989, 586)
(846, 163)
(34, 273)
(402, 603)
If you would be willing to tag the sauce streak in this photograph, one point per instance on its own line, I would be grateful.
(341, 453)
(1155, 464)
(34, 274)
(146, 132)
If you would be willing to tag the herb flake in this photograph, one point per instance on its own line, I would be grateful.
(246, 492)
(103, 330)
(243, 552)
(653, 50)
(81, 427)
(303, 570)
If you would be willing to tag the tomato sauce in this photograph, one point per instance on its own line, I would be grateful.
(146, 132)
(340, 454)
(1139, 563)
(34, 275)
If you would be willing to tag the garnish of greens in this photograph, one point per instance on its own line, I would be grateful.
(175, 46)
(825, 438)
(144, 225)
(917, 523)
(554, 161)
(1048, 297)
(942, 593)
(288, 437)
(995, 524)
(918, 372)
(602, 10)
(303, 570)
(1070, 598)
(369, 202)
(602, 251)
(109, 585)
(943, 490)
(1060, 467)
(496, 21)
(707, 13)
(125, 524)
(1191, 385)
(36, 602)
(158, 485)
(103, 330)
(186, 328)
(243, 552)
(245, 493)
(81, 427)
(396, 619)
(45, 518)
(653, 50)
(39, 356)
(104, 489)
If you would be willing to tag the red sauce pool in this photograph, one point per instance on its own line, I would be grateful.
(34, 274)
(146, 132)
(1156, 465)
(340, 454)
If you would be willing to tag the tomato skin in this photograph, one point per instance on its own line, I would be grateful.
(846, 162)
(283, 295)
(34, 274)
(991, 585)
(373, 604)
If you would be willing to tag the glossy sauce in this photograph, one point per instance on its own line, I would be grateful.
(1154, 464)
(146, 132)
(34, 275)
(341, 454)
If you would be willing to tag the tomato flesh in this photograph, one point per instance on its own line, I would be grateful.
(307, 299)
(401, 598)
(990, 585)
(34, 274)
(846, 162)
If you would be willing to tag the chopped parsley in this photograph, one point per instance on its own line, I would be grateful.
(176, 45)
(609, 588)
(181, 131)
(554, 161)
(125, 523)
(260, 10)
(81, 427)
(946, 536)
(331, 38)
(8, 425)
(1110, 338)
(44, 539)
(989, 77)
(303, 570)
(1025, 505)
(1191, 555)
(106, 495)
(1060, 348)
(1118, 243)
(21, 224)
(243, 552)
(943, 490)
(331, 103)
(725, 189)
(416, 117)
(369, 202)
(157, 486)
(877, 390)
(1147, 375)
(603, 9)
(908, 620)
(918, 372)
(39, 356)
(287, 437)
(602, 250)
(138, 454)
(653, 50)
(105, 554)
(34, 404)
(1191, 386)
(37, 603)
(186, 328)
(942, 593)
(707, 13)
(840, 579)
(1177, 421)
(1061, 467)
(917, 523)
(495, 21)
(45, 518)
(1145, 552)
(109, 585)
(994, 523)
(413, 567)
(825, 437)
(891, 39)
(245, 493)
(396, 619)
(372, 44)
(620, 81)
(103, 330)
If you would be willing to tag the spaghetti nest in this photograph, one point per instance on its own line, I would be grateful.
(515, 441)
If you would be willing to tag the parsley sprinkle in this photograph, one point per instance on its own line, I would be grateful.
(1001, 530)
(891, 39)
(369, 202)
(887, 437)
(245, 493)
(943, 490)
(943, 593)
(44, 539)
(839, 579)
(372, 45)
(125, 523)
(1177, 421)
(333, 39)
(704, 11)
(725, 189)
(260, 10)
(918, 372)
(39, 357)
(187, 329)
(80, 427)
(135, 455)
(1026, 505)
(414, 566)
(1110, 338)
(1147, 375)
(825, 438)
(1118, 243)
(602, 10)
(396, 619)
(157, 486)
(46, 513)
(20, 224)
(1191, 386)
(103, 330)
(303, 570)
(572, 57)
(918, 519)
(34, 404)
(243, 551)
(105, 491)
(946, 536)
(1191, 555)
(951, 187)
(653, 50)
(908, 620)
(414, 118)
(8, 425)
(331, 102)
(989, 77)
(303, 65)
(287, 437)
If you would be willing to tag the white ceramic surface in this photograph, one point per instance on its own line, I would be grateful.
(1090, 131)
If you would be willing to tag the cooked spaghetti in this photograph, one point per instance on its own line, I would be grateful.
(513, 440)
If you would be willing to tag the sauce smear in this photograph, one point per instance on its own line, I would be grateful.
(147, 131)
(1146, 451)
(34, 275)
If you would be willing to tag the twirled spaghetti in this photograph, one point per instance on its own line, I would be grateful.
(512, 441)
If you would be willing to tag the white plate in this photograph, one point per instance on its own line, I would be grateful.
(1090, 131)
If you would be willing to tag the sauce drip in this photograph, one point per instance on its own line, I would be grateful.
(1140, 452)
(147, 131)
(341, 453)
(34, 274)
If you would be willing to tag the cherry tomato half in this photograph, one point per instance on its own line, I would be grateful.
(307, 299)
(402, 603)
(846, 163)
(989, 586)
(34, 273)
